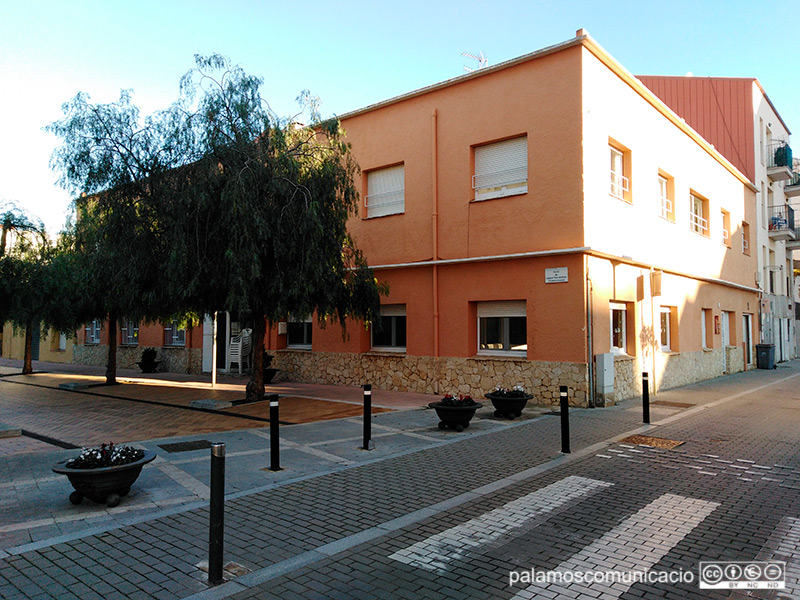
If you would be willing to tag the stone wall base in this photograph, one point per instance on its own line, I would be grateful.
(673, 370)
(173, 360)
(428, 375)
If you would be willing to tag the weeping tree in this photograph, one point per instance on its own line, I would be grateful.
(114, 163)
(15, 220)
(261, 214)
(20, 233)
(27, 281)
(214, 204)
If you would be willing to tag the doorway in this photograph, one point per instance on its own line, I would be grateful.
(726, 339)
(747, 338)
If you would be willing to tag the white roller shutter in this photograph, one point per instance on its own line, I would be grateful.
(511, 308)
(385, 191)
(501, 169)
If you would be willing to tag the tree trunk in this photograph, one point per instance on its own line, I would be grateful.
(255, 387)
(111, 364)
(6, 227)
(27, 363)
(188, 344)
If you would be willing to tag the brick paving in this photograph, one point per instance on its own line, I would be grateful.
(339, 533)
(85, 420)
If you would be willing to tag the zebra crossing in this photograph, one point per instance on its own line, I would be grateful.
(632, 547)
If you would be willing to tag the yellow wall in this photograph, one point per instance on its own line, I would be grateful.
(14, 345)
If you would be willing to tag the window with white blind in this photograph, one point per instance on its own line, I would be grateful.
(503, 328)
(619, 327)
(725, 219)
(620, 173)
(174, 334)
(501, 169)
(666, 192)
(129, 332)
(665, 314)
(390, 332)
(93, 332)
(385, 191)
(698, 215)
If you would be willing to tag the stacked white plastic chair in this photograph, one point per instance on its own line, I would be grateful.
(240, 349)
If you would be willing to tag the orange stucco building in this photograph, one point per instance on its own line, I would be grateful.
(546, 221)
(531, 216)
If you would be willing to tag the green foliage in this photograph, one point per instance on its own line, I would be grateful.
(214, 203)
(15, 220)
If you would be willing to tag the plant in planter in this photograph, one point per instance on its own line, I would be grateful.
(104, 474)
(508, 402)
(148, 364)
(455, 413)
(269, 373)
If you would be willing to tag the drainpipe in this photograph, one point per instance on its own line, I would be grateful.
(589, 345)
(435, 228)
(654, 378)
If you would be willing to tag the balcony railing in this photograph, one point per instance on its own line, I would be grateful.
(792, 187)
(795, 243)
(779, 161)
(781, 223)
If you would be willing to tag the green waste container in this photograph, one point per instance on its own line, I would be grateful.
(765, 356)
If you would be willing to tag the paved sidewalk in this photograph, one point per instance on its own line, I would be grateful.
(313, 529)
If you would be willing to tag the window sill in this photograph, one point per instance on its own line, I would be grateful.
(174, 346)
(708, 350)
(668, 219)
(623, 357)
(368, 217)
(628, 201)
(669, 352)
(387, 352)
(499, 196)
(497, 356)
(299, 348)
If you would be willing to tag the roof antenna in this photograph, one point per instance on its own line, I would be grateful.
(482, 61)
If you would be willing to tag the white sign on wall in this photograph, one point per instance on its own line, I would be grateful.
(556, 275)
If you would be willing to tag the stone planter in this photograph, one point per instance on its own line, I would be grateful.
(454, 417)
(149, 367)
(104, 485)
(510, 407)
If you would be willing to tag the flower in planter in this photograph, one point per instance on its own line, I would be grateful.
(107, 455)
(518, 391)
(451, 400)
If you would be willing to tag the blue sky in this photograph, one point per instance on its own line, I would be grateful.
(349, 53)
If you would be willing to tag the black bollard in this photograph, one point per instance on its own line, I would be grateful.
(368, 443)
(274, 440)
(645, 398)
(216, 514)
(564, 393)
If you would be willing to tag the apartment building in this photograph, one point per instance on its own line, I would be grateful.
(737, 116)
(546, 221)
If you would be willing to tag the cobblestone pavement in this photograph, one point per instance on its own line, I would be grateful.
(446, 515)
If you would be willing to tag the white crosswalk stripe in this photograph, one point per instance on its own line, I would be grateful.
(435, 552)
(637, 543)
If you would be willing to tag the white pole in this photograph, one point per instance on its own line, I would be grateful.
(214, 353)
